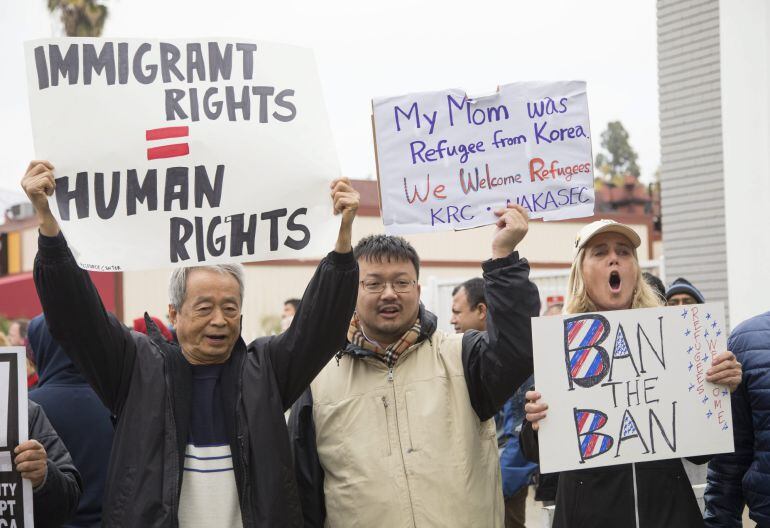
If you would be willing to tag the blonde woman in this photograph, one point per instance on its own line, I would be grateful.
(606, 276)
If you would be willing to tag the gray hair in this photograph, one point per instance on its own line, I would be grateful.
(177, 285)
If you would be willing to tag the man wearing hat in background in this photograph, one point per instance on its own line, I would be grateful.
(681, 291)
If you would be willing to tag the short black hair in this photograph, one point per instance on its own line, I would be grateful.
(294, 302)
(474, 291)
(656, 283)
(386, 248)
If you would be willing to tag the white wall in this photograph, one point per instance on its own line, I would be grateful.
(745, 46)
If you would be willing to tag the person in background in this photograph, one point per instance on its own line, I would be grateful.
(398, 430)
(554, 305)
(17, 332)
(46, 463)
(17, 336)
(682, 292)
(469, 312)
(140, 325)
(606, 276)
(80, 418)
(656, 284)
(743, 477)
(290, 307)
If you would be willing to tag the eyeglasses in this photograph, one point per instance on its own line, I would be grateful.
(378, 286)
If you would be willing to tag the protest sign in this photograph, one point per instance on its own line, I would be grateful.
(183, 152)
(15, 492)
(446, 161)
(630, 386)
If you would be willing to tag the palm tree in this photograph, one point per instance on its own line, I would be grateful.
(81, 18)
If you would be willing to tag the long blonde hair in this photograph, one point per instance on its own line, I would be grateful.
(578, 300)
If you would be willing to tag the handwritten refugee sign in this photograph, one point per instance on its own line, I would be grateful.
(630, 386)
(446, 161)
(15, 492)
(180, 152)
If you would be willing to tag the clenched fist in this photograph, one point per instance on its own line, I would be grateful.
(512, 224)
(38, 183)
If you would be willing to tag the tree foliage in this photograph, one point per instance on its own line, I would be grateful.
(618, 157)
(81, 18)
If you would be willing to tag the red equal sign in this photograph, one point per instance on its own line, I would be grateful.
(168, 151)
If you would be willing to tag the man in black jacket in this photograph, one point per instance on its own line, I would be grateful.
(201, 438)
(46, 463)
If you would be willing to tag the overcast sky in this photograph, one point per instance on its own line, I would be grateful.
(367, 49)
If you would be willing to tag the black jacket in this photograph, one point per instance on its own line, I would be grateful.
(146, 382)
(56, 500)
(604, 497)
(495, 362)
(79, 417)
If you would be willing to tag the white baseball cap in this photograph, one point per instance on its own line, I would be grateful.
(605, 226)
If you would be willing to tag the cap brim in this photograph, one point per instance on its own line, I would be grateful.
(620, 229)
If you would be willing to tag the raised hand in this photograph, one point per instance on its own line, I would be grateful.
(346, 201)
(512, 225)
(38, 183)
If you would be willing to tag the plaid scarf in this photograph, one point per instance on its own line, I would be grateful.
(390, 355)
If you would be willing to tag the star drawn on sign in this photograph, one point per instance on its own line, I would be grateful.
(714, 324)
(709, 414)
(687, 332)
(684, 313)
(724, 427)
(724, 392)
(719, 333)
(705, 358)
(706, 333)
(708, 316)
(690, 367)
(691, 387)
(689, 350)
(705, 399)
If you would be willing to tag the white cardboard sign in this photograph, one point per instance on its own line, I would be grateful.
(630, 386)
(446, 161)
(182, 152)
(15, 492)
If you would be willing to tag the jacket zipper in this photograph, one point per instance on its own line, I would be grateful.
(400, 447)
(387, 425)
(636, 498)
(245, 502)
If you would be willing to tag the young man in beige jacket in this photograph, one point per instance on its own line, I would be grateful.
(398, 430)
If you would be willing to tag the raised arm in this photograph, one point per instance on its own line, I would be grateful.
(319, 328)
(98, 344)
(497, 361)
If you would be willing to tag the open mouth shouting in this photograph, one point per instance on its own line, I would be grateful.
(614, 282)
(389, 311)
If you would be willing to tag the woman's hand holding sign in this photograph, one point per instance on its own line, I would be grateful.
(535, 409)
(725, 370)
